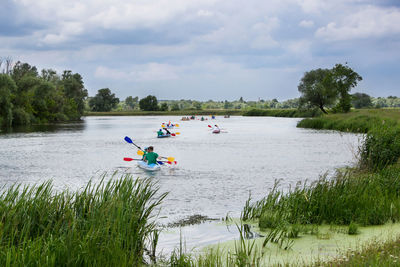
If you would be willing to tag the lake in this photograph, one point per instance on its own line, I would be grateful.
(215, 172)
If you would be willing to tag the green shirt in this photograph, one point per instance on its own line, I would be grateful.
(151, 158)
(160, 133)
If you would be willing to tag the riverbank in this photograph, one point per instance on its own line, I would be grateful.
(356, 121)
(286, 113)
(208, 112)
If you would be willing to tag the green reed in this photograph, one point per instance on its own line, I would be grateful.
(363, 198)
(108, 224)
(292, 113)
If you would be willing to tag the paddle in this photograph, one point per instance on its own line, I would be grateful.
(128, 140)
(171, 159)
(130, 159)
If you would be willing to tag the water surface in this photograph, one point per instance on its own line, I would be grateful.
(215, 172)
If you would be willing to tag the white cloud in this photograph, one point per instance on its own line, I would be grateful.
(370, 22)
(142, 72)
(306, 23)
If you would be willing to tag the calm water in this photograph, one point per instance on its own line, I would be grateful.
(214, 175)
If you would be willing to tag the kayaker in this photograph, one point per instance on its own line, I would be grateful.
(216, 127)
(151, 157)
(160, 132)
(166, 131)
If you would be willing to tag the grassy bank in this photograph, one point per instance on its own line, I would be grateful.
(219, 112)
(356, 121)
(291, 113)
(108, 224)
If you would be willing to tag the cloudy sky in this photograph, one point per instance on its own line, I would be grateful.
(206, 49)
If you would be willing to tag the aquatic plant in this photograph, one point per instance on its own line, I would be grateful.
(108, 224)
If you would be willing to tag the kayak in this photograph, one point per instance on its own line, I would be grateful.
(163, 136)
(152, 167)
(216, 131)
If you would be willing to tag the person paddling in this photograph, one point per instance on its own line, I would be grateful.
(151, 157)
(160, 132)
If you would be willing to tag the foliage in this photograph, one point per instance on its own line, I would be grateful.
(7, 86)
(316, 89)
(292, 113)
(343, 199)
(344, 79)
(381, 147)
(164, 107)
(323, 88)
(149, 103)
(103, 101)
(373, 254)
(27, 97)
(361, 100)
(131, 102)
(353, 229)
(109, 224)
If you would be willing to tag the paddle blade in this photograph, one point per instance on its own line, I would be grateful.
(177, 125)
(171, 159)
(128, 159)
(178, 133)
(209, 126)
(160, 162)
(128, 140)
(169, 162)
(140, 152)
(173, 134)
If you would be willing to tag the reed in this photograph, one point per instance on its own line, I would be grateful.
(292, 113)
(342, 199)
(108, 224)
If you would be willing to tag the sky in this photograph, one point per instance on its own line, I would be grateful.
(208, 49)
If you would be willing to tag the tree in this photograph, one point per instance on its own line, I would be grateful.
(75, 92)
(149, 103)
(6, 86)
(317, 89)
(175, 107)
(164, 107)
(103, 101)
(131, 101)
(361, 100)
(344, 79)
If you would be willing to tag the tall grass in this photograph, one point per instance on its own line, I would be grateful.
(359, 121)
(108, 224)
(292, 113)
(363, 198)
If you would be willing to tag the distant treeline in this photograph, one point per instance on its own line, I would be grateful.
(30, 97)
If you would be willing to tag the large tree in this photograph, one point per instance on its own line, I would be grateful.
(344, 79)
(317, 89)
(149, 103)
(326, 87)
(103, 101)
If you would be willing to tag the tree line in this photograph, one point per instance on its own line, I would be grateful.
(28, 96)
